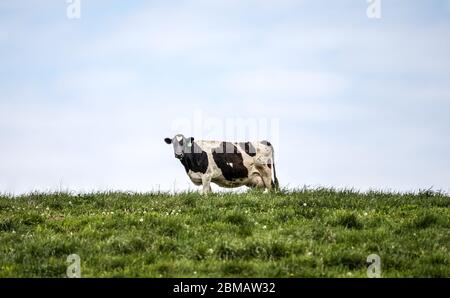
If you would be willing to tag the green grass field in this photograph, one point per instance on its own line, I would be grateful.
(302, 233)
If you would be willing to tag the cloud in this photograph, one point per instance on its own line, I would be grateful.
(84, 147)
(88, 102)
(280, 84)
(98, 85)
(164, 31)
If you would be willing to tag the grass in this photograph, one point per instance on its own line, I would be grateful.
(300, 233)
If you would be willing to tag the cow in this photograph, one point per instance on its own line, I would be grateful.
(227, 164)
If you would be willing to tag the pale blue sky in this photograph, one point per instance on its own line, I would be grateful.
(85, 104)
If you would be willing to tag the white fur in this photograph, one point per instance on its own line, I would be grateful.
(259, 173)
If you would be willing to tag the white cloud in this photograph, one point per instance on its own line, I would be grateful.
(280, 84)
(84, 148)
(98, 85)
(88, 103)
(164, 32)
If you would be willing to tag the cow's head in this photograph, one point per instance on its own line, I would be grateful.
(181, 145)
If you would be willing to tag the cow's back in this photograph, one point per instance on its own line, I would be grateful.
(233, 164)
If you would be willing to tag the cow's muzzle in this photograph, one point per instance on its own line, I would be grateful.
(179, 156)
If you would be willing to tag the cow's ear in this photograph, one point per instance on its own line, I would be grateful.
(168, 140)
(190, 141)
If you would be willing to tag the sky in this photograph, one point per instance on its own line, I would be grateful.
(348, 100)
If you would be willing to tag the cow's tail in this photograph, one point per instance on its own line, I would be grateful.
(276, 185)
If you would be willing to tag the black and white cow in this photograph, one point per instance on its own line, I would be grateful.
(226, 164)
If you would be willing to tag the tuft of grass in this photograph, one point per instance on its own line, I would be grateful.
(425, 220)
(7, 224)
(291, 233)
(237, 219)
(349, 221)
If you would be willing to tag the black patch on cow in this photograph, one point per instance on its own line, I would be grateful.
(248, 148)
(196, 160)
(267, 143)
(230, 161)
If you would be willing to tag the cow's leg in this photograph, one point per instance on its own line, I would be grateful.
(206, 182)
(256, 181)
(267, 179)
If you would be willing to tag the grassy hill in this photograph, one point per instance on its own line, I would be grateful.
(301, 233)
